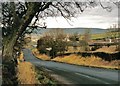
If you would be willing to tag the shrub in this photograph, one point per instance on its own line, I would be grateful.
(84, 45)
(55, 42)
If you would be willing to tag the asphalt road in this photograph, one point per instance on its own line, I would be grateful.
(77, 74)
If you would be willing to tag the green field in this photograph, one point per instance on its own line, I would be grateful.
(105, 35)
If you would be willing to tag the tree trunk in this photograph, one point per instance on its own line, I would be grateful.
(8, 65)
(19, 26)
(8, 50)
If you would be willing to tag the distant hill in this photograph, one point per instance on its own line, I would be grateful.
(74, 30)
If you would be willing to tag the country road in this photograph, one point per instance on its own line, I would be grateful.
(76, 74)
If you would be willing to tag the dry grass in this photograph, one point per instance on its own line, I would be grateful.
(88, 61)
(110, 49)
(29, 74)
(20, 58)
(26, 73)
(40, 56)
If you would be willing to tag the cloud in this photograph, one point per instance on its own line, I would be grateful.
(92, 17)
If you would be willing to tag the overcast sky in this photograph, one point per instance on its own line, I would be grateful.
(92, 18)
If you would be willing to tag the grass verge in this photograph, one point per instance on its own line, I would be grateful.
(40, 56)
(91, 61)
(30, 74)
(44, 77)
(26, 73)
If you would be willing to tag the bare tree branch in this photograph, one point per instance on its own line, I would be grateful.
(108, 8)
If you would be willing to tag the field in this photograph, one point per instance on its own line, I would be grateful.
(92, 60)
(105, 35)
(104, 57)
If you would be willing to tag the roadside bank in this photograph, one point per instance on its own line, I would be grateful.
(90, 61)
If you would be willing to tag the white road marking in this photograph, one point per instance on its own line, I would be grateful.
(92, 78)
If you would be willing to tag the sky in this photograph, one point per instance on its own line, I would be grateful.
(91, 18)
(96, 17)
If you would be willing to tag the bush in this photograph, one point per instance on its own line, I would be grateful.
(95, 48)
(84, 45)
(56, 43)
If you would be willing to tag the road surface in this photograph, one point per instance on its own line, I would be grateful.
(76, 74)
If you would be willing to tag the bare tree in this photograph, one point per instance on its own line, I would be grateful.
(54, 39)
(87, 35)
